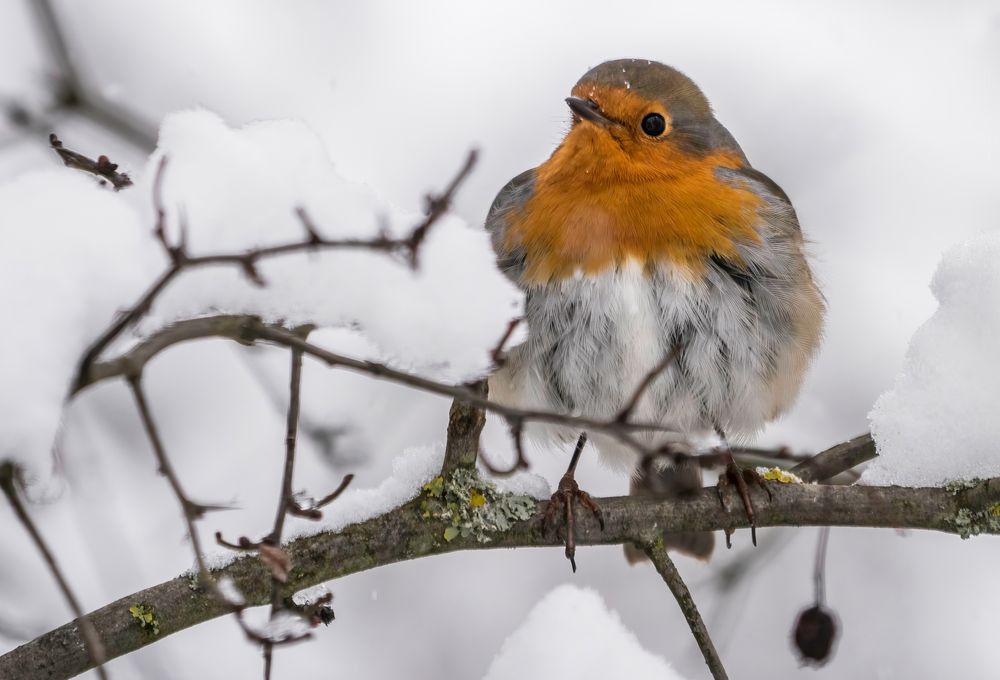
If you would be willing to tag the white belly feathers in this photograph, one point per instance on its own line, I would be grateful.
(592, 339)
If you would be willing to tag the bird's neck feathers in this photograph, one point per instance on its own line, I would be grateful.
(602, 199)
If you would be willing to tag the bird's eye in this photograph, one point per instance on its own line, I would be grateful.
(654, 125)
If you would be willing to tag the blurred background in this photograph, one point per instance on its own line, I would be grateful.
(878, 119)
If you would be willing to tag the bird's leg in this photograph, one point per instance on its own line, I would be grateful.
(566, 496)
(741, 478)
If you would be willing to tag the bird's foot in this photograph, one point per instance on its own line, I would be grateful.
(564, 499)
(742, 479)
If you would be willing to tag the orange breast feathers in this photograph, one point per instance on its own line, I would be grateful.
(605, 197)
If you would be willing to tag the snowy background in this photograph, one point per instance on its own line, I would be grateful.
(878, 119)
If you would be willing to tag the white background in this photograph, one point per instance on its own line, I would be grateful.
(878, 119)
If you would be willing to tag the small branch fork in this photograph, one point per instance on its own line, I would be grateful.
(180, 260)
(9, 481)
(248, 329)
(270, 548)
(192, 512)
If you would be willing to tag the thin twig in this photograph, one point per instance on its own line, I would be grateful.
(647, 380)
(191, 512)
(321, 432)
(819, 570)
(246, 330)
(269, 549)
(243, 543)
(332, 496)
(181, 260)
(102, 167)
(618, 430)
(498, 354)
(291, 430)
(91, 640)
(160, 228)
(515, 426)
(438, 205)
(657, 553)
(286, 500)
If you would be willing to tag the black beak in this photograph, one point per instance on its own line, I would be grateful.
(588, 110)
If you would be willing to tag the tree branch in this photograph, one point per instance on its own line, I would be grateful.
(75, 95)
(90, 639)
(657, 554)
(192, 512)
(837, 459)
(180, 260)
(465, 424)
(244, 330)
(286, 500)
(403, 534)
(248, 329)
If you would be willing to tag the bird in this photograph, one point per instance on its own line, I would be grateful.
(648, 242)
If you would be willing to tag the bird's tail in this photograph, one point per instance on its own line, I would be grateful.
(671, 482)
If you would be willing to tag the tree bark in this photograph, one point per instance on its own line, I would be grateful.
(402, 534)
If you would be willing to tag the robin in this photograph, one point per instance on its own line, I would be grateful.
(648, 235)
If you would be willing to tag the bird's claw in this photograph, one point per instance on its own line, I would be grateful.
(566, 496)
(742, 479)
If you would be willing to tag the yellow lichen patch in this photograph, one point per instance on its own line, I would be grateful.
(146, 617)
(776, 474)
(995, 509)
(435, 487)
(472, 507)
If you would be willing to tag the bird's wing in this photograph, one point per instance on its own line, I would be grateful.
(766, 187)
(777, 209)
(515, 193)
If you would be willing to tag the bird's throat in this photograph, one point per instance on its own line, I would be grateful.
(599, 202)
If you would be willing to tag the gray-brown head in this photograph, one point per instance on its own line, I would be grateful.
(650, 103)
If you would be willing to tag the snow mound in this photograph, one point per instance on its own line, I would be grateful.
(939, 421)
(239, 188)
(571, 634)
(73, 254)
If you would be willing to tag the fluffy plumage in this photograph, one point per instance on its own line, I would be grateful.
(626, 244)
